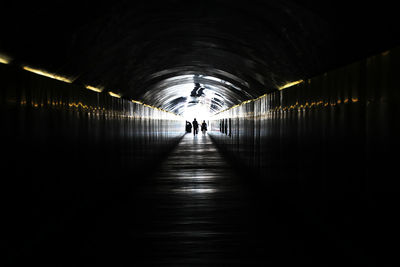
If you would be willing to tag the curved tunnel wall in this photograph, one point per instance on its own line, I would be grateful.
(332, 133)
(61, 140)
(328, 148)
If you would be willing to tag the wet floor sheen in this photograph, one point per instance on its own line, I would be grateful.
(196, 211)
(199, 212)
(191, 210)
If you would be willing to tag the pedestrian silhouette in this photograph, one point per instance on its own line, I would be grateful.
(204, 127)
(195, 127)
(188, 127)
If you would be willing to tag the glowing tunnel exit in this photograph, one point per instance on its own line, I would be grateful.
(196, 95)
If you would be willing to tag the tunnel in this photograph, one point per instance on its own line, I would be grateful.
(297, 166)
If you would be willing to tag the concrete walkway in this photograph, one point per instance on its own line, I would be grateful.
(199, 210)
(192, 211)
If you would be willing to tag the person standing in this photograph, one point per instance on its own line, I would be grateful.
(195, 125)
(204, 127)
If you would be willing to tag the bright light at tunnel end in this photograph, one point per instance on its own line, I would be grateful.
(199, 111)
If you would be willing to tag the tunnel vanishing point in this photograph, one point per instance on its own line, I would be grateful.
(298, 166)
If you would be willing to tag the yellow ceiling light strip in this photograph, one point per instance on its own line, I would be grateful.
(47, 74)
(137, 102)
(153, 107)
(287, 85)
(290, 84)
(98, 90)
(114, 95)
(4, 59)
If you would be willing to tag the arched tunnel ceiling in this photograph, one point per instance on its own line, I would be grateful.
(176, 54)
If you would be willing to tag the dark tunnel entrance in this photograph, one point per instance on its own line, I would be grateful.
(297, 165)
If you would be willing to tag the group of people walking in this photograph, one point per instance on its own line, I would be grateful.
(195, 126)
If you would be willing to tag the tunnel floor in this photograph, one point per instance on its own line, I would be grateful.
(194, 210)
(196, 213)
(200, 213)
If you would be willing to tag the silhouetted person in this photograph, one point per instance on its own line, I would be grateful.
(188, 127)
(195, 127)
(204, 127)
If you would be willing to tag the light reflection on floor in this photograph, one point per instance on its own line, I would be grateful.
(195, 190)
(199, 206)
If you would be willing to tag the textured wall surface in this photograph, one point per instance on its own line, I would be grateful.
(64, 146)
(328, 145)
(325, 124)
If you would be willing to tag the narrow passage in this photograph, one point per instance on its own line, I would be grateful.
(198, 210)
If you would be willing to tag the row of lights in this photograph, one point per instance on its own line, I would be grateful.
(287, 85)
(290, 84)
(6, 60)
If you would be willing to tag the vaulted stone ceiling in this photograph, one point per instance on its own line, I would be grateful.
(176, 54)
